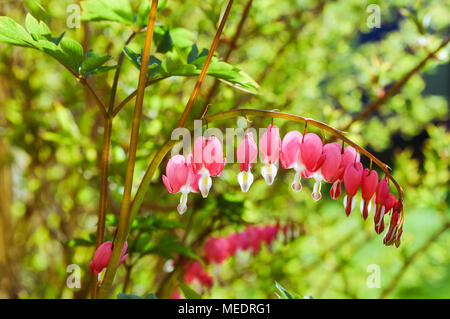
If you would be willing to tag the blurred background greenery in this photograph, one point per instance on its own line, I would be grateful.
(316, 59)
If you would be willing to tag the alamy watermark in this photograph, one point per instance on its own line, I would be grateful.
(374, 18)
(74, 16)
(74, 279)
(374, 279)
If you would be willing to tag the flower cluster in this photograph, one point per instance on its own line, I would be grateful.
(251, 239)
(308, 156)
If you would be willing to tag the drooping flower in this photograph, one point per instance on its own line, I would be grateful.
(350, 155)
(193, 271)
(208, 161)
(270, 147)
(326, 168)
(381, 195)
(176, 294)
(246, 153)
(378, 218)
(180, 177)
(352, 180)
(395, 226)
(102, 256)
(233, 243)
(216, 250)
(253, 239)
(290, 157)
(369, 185)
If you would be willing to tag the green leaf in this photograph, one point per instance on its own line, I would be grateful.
(39, 30)
(93, 61)
(175, 67)
(150, 296)
(182, 38)
(122, 295)
(193, 55)
(189, 293)
(58, 39)
(80, 242)
(229, 74)
(71, 53)
(285, 293)
(133, 56)
(107, 10)
(12, 33)
(101, 69)
(165, 44)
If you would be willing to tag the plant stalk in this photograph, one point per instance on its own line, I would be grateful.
(122, 230)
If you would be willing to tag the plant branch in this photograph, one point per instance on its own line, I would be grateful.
(122, 230)
(205, 66)
(395, 88)
(133, 94)
(231, 47)
(117, 74)
(97, 99)
(103, 192)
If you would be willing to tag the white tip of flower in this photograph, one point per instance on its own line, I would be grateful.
(361, 207)
(169, 266)
(204, 184)
(353, 202)
(269, 171)
(182, 206)
(316, 195)
(245, 180)
(100, 276)
(297, 183)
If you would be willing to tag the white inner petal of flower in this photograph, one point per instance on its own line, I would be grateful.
(269, 171)
(204, 183)
(182, 207)
(316, 195)
(245, 179)
(297, 184)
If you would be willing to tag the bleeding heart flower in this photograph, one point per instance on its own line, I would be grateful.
(381, 195)
(311, 151)
(290, 157)
(378, 218)
(102, 256)
(326, 168)
(352, 179)
(181, 178)
(194, 271)
(208, 161)
(216, 250)
(391, 235)
(270, 147)
(369, 185)
(246, 153)
(350, 155)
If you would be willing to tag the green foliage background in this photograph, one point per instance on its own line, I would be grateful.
(309, 59)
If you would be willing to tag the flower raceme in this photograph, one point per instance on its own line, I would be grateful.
(102, 256)
(308, 156)
(219, 249)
